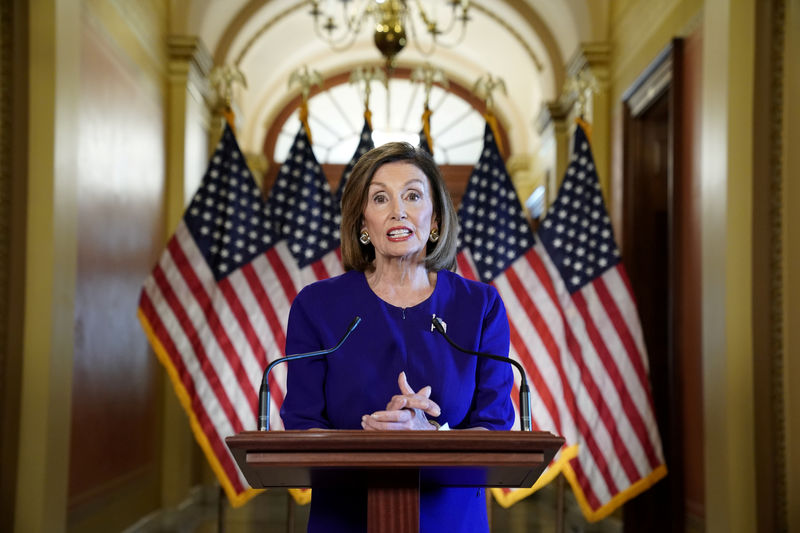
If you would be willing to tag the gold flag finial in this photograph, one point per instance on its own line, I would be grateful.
(581, 85)
(484, 88)
(222, 79)
(367, 75)
(305, 79)
(427, 75)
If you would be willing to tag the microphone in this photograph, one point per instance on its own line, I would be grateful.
(263, 394)
(524, 391)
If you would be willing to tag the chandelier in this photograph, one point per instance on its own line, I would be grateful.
(340, 21)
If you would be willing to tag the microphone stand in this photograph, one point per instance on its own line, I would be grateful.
(263, 393)
(524, 391)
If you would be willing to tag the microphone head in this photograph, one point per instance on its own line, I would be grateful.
(437, 324)
(356, 321)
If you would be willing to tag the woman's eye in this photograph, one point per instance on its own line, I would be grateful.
(379, 198)
(413, 195)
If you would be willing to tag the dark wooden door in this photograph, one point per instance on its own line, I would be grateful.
(651, 164)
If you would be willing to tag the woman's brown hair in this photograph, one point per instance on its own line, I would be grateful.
(356, 256)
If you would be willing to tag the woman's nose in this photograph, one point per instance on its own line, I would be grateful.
(398, 210)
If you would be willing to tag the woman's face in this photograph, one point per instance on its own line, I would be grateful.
(399, 211)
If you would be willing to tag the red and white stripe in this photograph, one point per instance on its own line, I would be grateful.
(220, 336)
(586, 362)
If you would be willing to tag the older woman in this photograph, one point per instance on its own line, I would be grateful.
(399, 237)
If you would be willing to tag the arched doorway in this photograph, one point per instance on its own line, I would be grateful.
(336, 118)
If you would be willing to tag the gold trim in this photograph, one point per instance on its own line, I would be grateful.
(236, 500)
(561, 466)
(507, 499)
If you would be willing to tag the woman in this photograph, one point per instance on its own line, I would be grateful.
(399, 237)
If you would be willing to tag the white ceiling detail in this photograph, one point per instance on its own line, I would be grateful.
(524, 42)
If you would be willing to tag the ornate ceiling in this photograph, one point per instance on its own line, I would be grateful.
(526, 43)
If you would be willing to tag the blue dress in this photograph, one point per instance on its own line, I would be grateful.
(334, 392)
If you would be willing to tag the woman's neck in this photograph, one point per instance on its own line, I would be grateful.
(401, 283)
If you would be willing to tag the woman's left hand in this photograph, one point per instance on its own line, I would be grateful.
(404, 411)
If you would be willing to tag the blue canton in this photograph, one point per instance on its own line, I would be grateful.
(226, 215)
(493, 223)
(301, 205)
(576, 230)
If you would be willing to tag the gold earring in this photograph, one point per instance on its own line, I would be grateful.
(364, 238)
(434, 236)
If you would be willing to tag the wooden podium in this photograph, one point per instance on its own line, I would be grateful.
(393, 465)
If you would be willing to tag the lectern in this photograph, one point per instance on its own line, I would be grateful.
(393, 465)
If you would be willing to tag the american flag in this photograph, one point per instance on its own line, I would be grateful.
(574, 327)
(216, 305)
(365, 144)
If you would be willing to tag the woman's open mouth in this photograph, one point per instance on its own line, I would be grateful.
(399, 234)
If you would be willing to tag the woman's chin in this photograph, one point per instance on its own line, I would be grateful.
(403, 253)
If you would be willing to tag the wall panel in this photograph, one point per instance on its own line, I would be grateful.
(116, 382)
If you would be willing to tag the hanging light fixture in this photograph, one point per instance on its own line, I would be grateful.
(395, 21)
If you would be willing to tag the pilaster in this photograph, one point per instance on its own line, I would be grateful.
(186, 156)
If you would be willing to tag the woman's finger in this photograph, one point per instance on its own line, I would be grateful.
(402, 415)
(397, 402)
(423, 404)
(402, 382)
(388, 420)
(372, 425)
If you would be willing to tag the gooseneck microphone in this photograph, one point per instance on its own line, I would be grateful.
(263, 394)
(524, 391)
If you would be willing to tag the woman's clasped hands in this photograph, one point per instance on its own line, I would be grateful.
(405, 410)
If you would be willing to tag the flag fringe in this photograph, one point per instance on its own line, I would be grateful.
(236, 500)
(426, 127)
(368, 118)
(593, 515)
(301, 496)
(587, 128)
(491, 119)
(507, 499)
